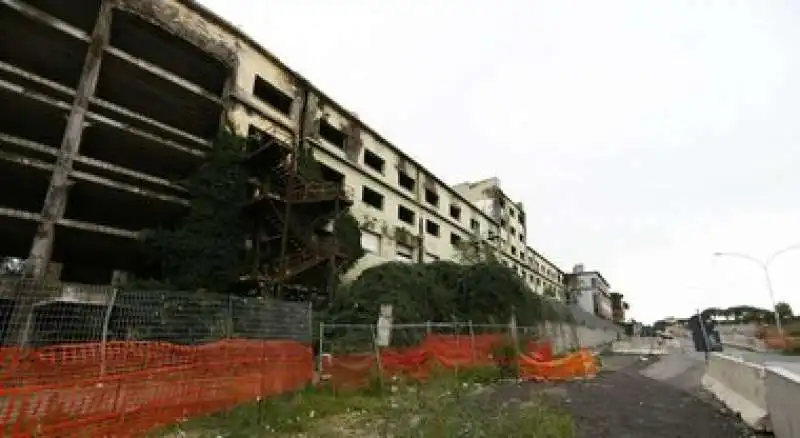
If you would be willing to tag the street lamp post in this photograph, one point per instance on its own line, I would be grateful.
(765, 267)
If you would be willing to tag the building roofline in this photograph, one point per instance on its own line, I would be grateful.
(226, 25)
(592, 272)
(547, 260)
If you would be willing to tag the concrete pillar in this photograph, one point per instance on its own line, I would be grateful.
(55, 202)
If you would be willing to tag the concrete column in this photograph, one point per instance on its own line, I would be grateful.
(55, 202)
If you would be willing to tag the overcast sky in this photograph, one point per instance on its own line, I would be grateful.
(642, 136)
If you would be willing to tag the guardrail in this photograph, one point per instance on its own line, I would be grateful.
(740, 386)
(783, 400)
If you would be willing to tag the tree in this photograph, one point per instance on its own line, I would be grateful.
(784, 310)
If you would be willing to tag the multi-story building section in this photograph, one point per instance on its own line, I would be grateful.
(542, 276)
(107, 104)
(590, 291)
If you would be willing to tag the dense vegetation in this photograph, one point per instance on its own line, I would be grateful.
(482, 292)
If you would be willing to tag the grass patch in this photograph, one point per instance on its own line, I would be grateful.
(448, 405)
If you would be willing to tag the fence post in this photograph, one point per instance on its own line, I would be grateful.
(428, 327)
(472, 341)
(321, 346)
(374, 330)
(104, 336)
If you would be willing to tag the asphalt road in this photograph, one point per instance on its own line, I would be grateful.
(763, 358)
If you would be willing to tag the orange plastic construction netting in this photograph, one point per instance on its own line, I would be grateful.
(128, 388)
(449, 352)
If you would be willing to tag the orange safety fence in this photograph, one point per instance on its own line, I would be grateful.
(129, 388)
(576, 365)
(352, 371)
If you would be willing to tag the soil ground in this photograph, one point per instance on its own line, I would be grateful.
(623, 403)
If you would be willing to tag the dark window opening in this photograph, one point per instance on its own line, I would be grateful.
(372, 198)
(511, 213)
(513, 232)
(332, 135)
(405, 181)
(272, 95)
(432, 228)
(329, 174)
(455, 212)
(455, 239)
(256, 138)
(502, 223)
(513, 250)
(373, 161)
(474, 225)
(431, 197)
(405, 215)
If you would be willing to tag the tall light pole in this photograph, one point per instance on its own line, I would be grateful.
(765, 267)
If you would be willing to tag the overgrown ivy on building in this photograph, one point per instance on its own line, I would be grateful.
(482, 292)
(205, 249)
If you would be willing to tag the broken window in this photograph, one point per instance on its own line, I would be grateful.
(330, 134)
(432, 228)
(431, 197)
(272, 96)
(405, 215)
(405, 181)
(372, 198)
(455, 212)
(373, 161)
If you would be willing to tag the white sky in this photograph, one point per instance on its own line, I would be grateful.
(642, 136)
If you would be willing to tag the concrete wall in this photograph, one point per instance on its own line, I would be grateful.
(740, 386)
(566, 336)
(783, 400)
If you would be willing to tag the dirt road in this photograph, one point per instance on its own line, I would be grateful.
(623, 403)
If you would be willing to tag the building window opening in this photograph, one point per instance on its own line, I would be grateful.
(373, 161)
(405, 181)
(372, 198)
(432, 228)
(332, 135)
(455, 212)
(405, 215)
(272, 96)
(431, 197)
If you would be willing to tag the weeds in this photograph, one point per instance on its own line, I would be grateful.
(448, 405)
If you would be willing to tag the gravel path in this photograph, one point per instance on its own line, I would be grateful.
(623, 403)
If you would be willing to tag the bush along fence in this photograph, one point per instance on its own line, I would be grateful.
(111, 362)
(352, 356)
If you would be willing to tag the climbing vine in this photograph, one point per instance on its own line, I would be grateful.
(205, 249)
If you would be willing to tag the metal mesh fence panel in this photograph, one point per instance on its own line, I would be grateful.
(107, 359)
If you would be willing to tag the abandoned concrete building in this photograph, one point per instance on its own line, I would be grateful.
(107, 103)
